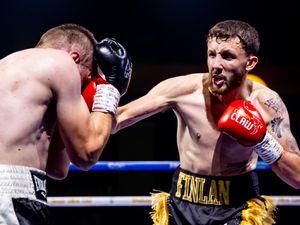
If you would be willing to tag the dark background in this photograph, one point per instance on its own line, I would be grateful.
(165, 38)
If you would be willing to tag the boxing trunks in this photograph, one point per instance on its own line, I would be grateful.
(23, 196)
(212, 200)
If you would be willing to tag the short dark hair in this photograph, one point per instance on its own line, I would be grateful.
(247, 34)
(62, 35)
(67, 36)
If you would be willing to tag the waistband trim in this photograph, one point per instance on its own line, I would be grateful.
(23, 182)
(214, 190)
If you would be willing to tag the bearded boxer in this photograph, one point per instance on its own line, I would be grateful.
(225, 122)
(44, 121)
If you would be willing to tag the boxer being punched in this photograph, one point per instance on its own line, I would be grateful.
(44, 120)
(225, 122)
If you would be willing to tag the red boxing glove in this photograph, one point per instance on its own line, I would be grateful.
(101, 96)
(242, 121)
(90, 90)
(88, 94)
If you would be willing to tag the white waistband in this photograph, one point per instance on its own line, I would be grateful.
(22, 182)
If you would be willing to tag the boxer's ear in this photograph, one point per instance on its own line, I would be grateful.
(251, 63)
(75, 56)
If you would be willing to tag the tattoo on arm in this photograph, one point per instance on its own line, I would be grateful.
(275, 123)
(271, 103)
(279, 126)
(276, 104)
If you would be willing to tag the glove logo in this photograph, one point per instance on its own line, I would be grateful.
(127, 71)
(242, 120)
(255, 125)
(246, 123)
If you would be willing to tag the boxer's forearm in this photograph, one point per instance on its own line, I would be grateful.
(288, 169)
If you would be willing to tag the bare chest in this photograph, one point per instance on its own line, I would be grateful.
(202, 147)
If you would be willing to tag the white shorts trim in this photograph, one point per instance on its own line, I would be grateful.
(23, 182)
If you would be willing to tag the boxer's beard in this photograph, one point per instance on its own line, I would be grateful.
(233, 83)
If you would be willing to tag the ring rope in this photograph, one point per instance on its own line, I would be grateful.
(97, 201)
(145, 166)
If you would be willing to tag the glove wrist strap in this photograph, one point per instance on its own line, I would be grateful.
(106, 99)
(269, 149)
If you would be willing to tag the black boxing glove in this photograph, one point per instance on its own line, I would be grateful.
(115, 63)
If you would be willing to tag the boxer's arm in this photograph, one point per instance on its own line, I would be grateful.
(244, 122)
(274, 143)
(161, 97)
(58, 162)
(287, 167)
(84, 134)
(138, 110)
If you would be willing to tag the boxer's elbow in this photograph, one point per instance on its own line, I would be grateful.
(86, 161)
(86, 152)
(88, 156)
(85, 164)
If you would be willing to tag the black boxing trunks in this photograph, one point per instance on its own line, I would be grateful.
(212, 200)
(23, 196)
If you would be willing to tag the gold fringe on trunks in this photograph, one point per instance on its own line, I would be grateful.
(160, 212)
(259, 212)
